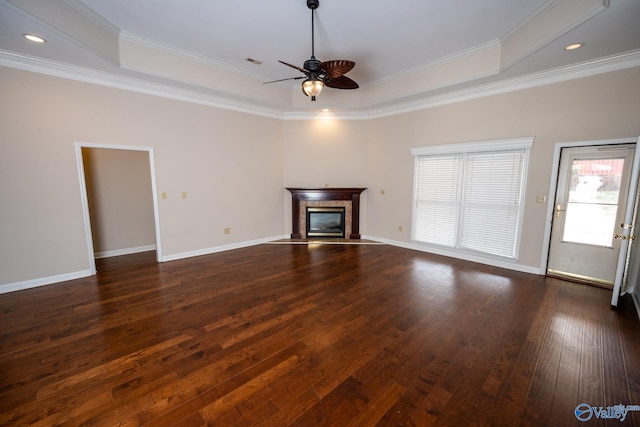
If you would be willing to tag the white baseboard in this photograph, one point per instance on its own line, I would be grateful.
(27, 284)
(10, 287)
(208, 251)
(34, 283)
(126, 251)
(459, 255)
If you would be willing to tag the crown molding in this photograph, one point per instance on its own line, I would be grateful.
(186, 68)
(552, 20)
(74, 21)
(576, 71)
(462, 67)
(364, 112)
(151, 44)
(195, 78)
(463, 54)
(72, 72)
(326, 115)
(546, 24)
(90, 14)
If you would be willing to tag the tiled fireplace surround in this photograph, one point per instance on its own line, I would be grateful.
(301, 198)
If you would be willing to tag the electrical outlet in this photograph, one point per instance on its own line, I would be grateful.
(382, 192)
(227, 231)
(399, 228)
(164, 195)
(184, 194)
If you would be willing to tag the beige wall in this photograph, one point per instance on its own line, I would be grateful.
(119, 192)
(325, 152)
(229, 163)
(599, 107)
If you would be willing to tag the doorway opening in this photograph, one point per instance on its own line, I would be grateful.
(119, 200)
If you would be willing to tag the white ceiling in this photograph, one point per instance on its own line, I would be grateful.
(404, 51)
(384, 38)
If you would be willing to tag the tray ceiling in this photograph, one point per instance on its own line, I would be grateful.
(407, 53)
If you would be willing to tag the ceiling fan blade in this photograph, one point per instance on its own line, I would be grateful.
(336, 68)
(342, 82)
(281, 80)
(294, 66)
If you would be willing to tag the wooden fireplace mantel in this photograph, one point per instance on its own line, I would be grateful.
(325, 194)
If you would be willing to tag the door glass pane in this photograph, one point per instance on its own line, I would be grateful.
(593, 201)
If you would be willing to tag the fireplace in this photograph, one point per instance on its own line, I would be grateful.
(325, 222)
(347, 199)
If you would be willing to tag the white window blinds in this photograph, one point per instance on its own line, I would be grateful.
(437, 199)
(491, 202)
(470, 200)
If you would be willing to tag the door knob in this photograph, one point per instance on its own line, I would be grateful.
(558, 210)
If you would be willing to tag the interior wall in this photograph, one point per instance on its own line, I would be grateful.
(120, 200)
(325, 152)
(605, 106)
(229, 163)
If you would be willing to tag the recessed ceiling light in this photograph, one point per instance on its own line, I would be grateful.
(573, 46)
(34, 38)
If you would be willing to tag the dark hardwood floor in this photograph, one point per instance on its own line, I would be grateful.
(317, 335)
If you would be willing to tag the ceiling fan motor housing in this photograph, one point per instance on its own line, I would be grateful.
(312, 64)
(313, 4)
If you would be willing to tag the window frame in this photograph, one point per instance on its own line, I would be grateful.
(463, 149)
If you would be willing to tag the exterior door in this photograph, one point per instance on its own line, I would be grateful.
(590, 204)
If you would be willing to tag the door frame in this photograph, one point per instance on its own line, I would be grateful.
(635, 172)
(85, 200)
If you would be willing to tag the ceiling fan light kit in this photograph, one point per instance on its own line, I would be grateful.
(312, 87)
(320, 74)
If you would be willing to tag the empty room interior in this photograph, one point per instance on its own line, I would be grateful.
(319, 213)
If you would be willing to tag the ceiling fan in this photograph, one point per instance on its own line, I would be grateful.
(319, 74)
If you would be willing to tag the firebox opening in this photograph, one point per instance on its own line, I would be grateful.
(326, 222)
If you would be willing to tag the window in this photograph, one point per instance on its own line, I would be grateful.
(470, 196)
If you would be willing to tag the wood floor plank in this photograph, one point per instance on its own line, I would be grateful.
(291, 335)
(591, 383)
(569, 366)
